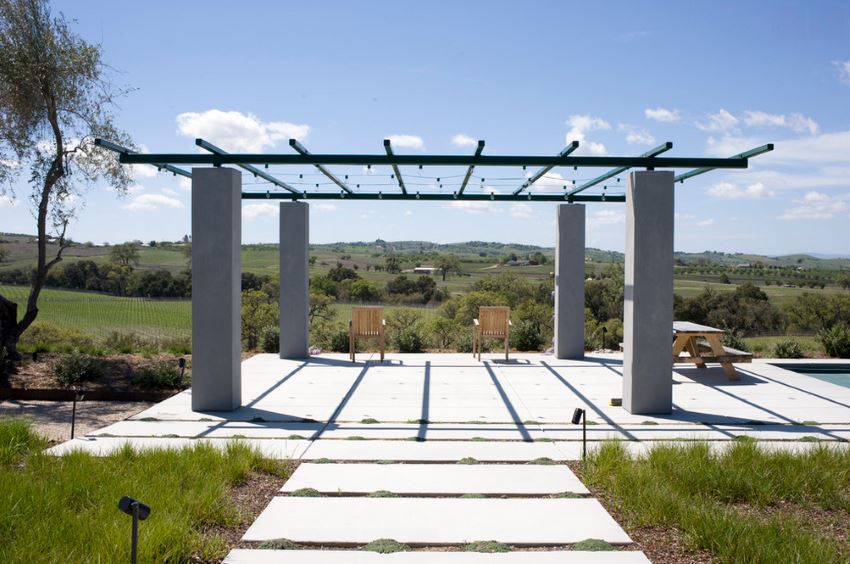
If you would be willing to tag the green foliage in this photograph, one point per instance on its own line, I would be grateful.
(364, 291)
(63, 509)
(306, 492)
(526, 337)
(442, 332)
(544, 461)
(163, 375)
(409, 341)
(75, 367)
(734, 339)
(385, 546)
(836, 340)
(593, 333)
(818, 312)
(125, 254)
(468, 460)
(339, 341)
(279, 544)
(746, 311)
(486, 546)
(258, 312)
(593, 545)
(787, 348)
(382, 493)
(270, 339)
(17, 441)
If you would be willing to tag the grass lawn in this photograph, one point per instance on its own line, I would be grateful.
(809, 344)
(745, 505)
(64, 509)
(778, 295)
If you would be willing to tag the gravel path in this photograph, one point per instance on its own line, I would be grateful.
(52, 419)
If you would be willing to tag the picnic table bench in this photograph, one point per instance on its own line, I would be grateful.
(698, 344)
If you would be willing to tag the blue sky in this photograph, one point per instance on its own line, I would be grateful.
(621, 77)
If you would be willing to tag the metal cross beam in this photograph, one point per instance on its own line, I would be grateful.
(389, 149)
(433, 160)
(745, 155)
(250, 168)
(121, 150)
(542, 172)
(466, 178)
(303, 150)
(614, 172)
(435, 197)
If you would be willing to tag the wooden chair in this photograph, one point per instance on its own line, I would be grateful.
(495, 323)
(366, 322)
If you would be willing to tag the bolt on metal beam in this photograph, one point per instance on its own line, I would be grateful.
(250, 168)
(303, 150)
(745, 155)
(120, 149)
(542, 172)
(614, 172)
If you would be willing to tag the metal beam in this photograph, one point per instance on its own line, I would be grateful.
(431, 196)
(466, 178)
(389, 149)
(540, 173)
(433, 160)
(121, 150)
(203, 144)
(745, 155)
(614, 172)
(303, 150)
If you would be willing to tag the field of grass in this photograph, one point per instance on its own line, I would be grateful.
(100, 314)
(779, 296)
(744, 505)
(764, 345)
(65, 509)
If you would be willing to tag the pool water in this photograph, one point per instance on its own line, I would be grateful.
(832, 373)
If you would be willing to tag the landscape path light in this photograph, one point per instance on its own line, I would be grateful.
(139, 512)
(580, 415)
(77, 397)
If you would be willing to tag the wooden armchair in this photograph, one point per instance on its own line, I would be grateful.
(366, 322)
(494, 323)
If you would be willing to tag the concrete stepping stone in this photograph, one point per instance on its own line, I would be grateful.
(436, 479)
(430, 521)
(248, 556)
(431, 451)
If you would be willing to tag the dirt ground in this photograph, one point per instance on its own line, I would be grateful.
(52, 419)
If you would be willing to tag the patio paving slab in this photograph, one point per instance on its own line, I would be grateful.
(430, 521)
(248, 556)
(431, 451)
(436, 479)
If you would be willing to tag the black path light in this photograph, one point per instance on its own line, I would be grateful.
(139, 512)
(580, 416)
(78, 396)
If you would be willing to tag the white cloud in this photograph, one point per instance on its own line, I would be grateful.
(142, 171)
(795, 122)
(729, 191)
(721, 121)
(404, 141)
(185, 184)
(636, 136)
(7, 201)
(705, 222)
(662, 114)
(580, 126)
(683, 216)
(464, 140)
(325, 207)
(843, 71)
(474, 207)
(549, 182)
(152, 202)
(238, 132)
(169, 192)
(729, 145)
(260, 211)
(521, 210)
(607, 217)
(408, 213)
(816, 205)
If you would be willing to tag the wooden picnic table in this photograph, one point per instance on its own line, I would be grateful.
(698, 344)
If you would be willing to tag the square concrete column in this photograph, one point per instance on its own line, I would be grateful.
(648, 308)
(294, 279)
(216, 289)
(569, 281)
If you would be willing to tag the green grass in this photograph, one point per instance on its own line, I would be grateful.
(100, 314)
(742, 505)
(64, 509)
(486, 546)
(764, 345)
(385, 546)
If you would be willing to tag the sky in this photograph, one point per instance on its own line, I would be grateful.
(528, 77)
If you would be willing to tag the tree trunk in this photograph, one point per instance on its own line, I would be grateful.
(8, 338)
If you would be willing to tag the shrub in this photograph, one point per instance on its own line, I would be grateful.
(164, 375)
(339, 341)
(76, 367)
(385, 546)
(486, 546)
(270, 339)
(409, 341)
(463, 341)
(593, 545)
(788, 348)
(44, 337)
(526, 337)
(122, 342)
(734, 339)
(836, 341)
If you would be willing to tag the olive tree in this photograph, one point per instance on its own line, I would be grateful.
(55, 98)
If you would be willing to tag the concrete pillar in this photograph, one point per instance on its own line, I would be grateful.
(294, 279)
(216, 289)
(569, 281)
(648, 308)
